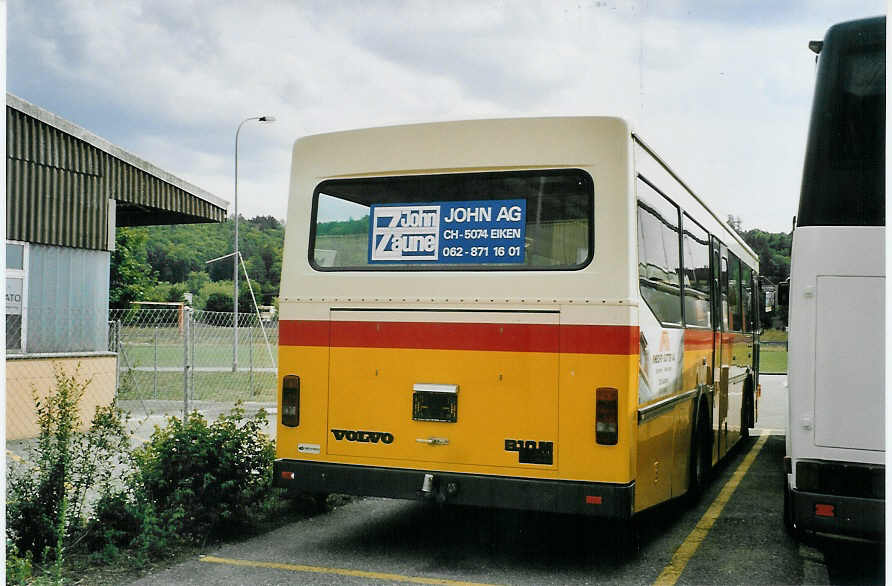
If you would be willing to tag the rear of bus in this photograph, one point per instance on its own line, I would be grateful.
(836, 426)
(458, 315)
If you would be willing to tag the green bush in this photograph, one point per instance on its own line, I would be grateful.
(193, 481)
(116, 521)
(221, 290)
(46, 501)
(218, 301)
(165, 292)
(205, 480)
(217, 296)
(18, 567)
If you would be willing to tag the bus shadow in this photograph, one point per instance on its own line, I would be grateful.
(474, 540)
(853, 562)
(459, 537)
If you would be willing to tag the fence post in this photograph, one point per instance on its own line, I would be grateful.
(155, 367)
(186, 327)
(190, 318)
(251, 359)
(118, 357)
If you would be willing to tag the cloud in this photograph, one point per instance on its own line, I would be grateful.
(721, 89)
(729, 106)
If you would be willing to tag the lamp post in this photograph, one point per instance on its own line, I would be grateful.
(236, 257)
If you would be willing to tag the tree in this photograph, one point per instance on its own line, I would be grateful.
(219, 301)
(773, 249)
(223, 289)
(265, 223)
(131, 276)
(245, 304)
(179, 253)
(196, 280)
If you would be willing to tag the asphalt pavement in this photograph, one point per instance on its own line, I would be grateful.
(733, 534)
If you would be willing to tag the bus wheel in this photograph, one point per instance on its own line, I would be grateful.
(701, 454)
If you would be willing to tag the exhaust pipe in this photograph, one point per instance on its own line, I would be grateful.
(427, 486)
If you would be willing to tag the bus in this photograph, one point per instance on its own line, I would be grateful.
(835, 446)
(535, 314)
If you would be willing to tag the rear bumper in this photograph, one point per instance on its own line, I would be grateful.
(858, 517)
(596, 499)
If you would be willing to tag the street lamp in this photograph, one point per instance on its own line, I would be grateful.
(236, 257)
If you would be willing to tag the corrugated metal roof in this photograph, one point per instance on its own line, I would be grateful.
(61, 176)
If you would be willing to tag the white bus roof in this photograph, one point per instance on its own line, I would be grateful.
(484, 144)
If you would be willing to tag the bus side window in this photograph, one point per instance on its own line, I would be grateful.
(734, 293)
(726, 324)
(697, 278)
(659, 262)
(746, 282)
(758, 297)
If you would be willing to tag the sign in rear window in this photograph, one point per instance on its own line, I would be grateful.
(500, 220)
(490, 231)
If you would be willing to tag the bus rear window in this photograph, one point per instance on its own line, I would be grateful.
(844, 177)
(521, 220)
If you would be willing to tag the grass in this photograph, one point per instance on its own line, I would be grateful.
(773, 336)
(207, 386)
(206, 354)
(773, 356)
(772, 359)
(147, 346)
(213, 345)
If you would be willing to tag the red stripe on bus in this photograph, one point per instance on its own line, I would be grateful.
(599, 339)
(582, 339)
(304, 332)
(698, 339)
(445, 336)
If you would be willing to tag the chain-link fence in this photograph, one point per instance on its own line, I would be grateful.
(43, 341)
(178, 359)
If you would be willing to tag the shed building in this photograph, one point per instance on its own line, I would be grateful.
(66, 192)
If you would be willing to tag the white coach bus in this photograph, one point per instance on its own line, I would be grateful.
(835, 422)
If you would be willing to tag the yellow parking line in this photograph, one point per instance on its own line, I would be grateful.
(767, 431)
(686, 550)
(336, 571)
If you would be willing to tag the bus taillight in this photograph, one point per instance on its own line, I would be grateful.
(822, 510)
(606, 416)
(291, 401)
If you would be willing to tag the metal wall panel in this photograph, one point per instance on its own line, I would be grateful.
(29, 139)
(58, 186)
(128, 184)
(67, 307)
(48, 205)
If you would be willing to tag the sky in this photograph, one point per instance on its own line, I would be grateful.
(721, 89)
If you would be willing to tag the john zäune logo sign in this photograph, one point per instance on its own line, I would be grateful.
(405, 232)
